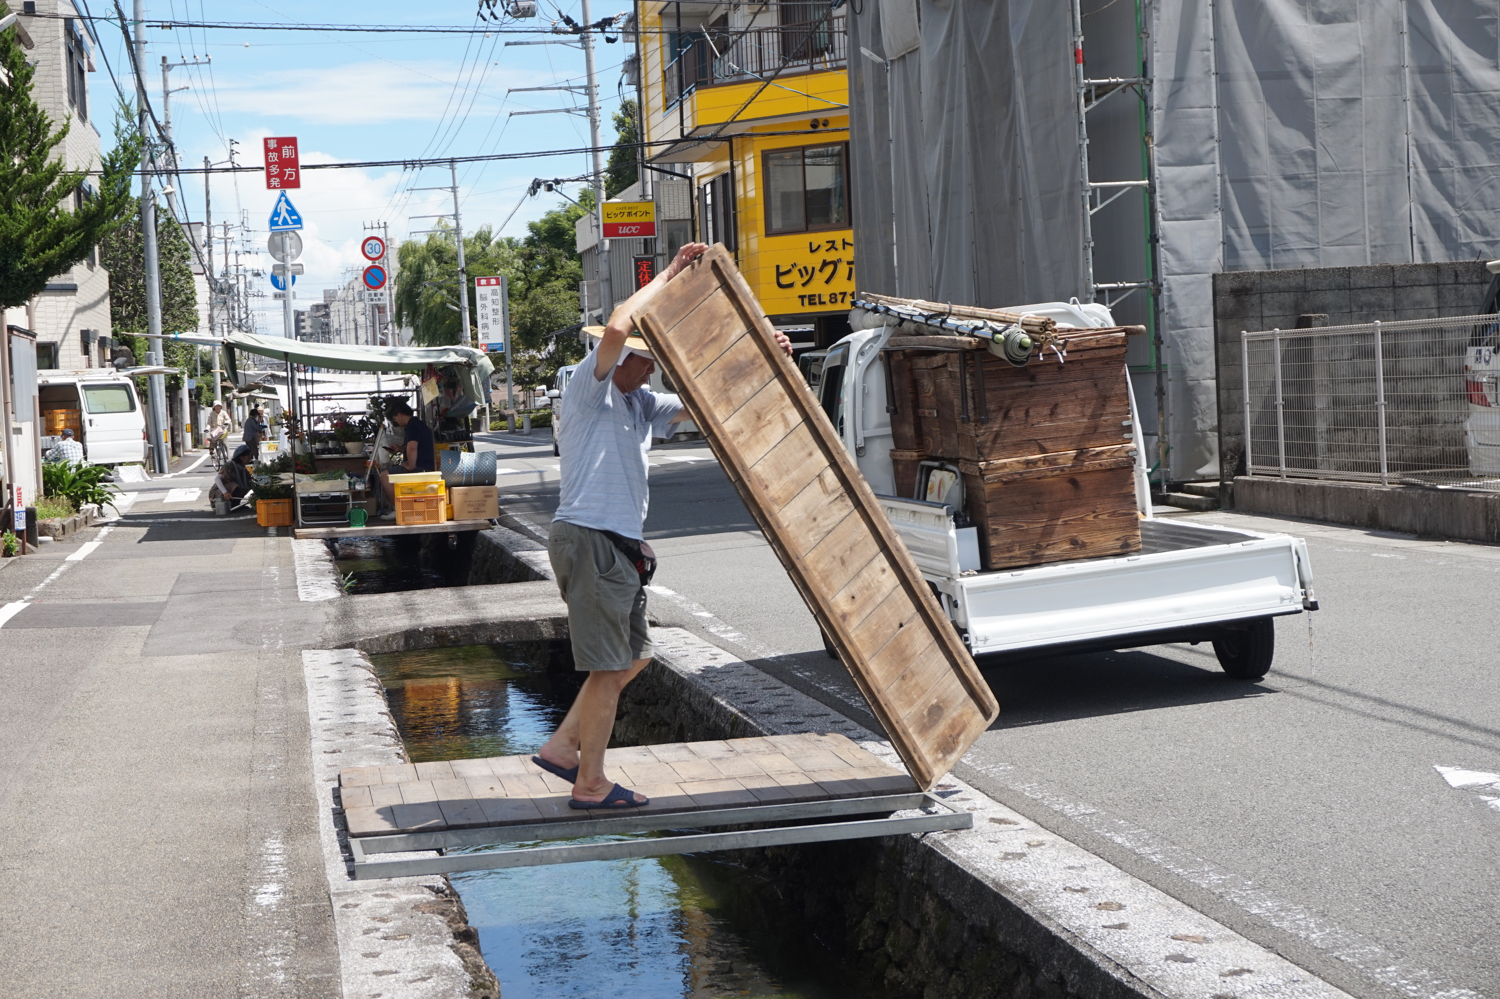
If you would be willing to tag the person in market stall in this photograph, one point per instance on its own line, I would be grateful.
(233, 481)
(418, 454)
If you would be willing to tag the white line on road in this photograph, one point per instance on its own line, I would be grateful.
(1477, 781)
(15, 607)
(122, 505)
(714, 625)
(83, 551)
(182, 496)
(183, 471)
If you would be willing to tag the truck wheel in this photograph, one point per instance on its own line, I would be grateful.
(1247, 655)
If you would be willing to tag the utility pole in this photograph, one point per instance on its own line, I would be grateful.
(463, 270)
(213, 280)
(458, 233)
(155, 384)
(606, 292)
(166, 123)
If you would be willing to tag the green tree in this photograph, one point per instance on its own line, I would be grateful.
(427, 282)
(123, 254)
(623, 167)
(48, 219)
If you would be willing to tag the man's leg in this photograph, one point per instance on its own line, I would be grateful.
(595, 711)
(563, 748)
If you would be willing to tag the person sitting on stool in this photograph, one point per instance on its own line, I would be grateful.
(419, 453)
(233, 481)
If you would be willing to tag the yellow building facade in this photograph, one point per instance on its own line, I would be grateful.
(750, 104)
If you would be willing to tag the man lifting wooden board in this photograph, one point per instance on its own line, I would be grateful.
(601, 561)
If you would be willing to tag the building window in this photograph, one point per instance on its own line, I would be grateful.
(806, 29)
(806, 189)
(75, 65)
(716, 212)
(46, 354)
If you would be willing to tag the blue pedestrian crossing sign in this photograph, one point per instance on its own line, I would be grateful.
(278, 281)
(284, 217)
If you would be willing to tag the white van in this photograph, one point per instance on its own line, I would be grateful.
(112, 425)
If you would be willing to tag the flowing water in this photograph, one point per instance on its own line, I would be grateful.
(383, 565)
(632, 929)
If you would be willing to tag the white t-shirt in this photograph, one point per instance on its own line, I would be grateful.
(605, 437)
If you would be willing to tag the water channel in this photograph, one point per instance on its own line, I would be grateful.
(639, 929)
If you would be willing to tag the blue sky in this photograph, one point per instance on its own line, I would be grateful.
(360, 97)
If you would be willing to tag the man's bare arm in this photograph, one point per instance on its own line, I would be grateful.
(608, 352)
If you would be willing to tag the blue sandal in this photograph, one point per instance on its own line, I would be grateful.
(618, 797)
(569, 774)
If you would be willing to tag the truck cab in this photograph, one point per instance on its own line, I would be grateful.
(101, 408)
(1189, 582)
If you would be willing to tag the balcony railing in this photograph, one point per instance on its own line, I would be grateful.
(736, 56)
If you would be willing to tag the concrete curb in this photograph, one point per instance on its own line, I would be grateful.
(1068, 912)
(1459, 514)
(402, 938)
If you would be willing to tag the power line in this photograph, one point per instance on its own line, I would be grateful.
(169, 24)
(416, 164)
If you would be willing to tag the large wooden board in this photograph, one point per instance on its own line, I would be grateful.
(710, 334)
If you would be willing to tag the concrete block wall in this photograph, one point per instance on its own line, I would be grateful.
(1264, 300)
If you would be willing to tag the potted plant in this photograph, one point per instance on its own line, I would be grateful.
(351, 433)
(273, 500)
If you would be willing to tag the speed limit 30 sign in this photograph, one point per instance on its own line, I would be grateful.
(373, 248)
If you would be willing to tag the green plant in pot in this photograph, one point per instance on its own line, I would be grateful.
(351, 433)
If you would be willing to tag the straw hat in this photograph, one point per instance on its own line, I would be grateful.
(634, 343)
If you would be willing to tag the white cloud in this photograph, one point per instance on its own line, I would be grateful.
(363, 93)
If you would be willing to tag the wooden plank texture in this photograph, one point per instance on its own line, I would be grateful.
(817, 511)
(762, 770)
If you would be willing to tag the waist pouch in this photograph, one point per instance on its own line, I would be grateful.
(640, 554)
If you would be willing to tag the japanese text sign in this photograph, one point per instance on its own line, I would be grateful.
(807, 274)
(283, 170)
(492, 304)
(644, 269)
(629, 219)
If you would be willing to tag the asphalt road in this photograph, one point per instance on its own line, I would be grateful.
(1306, 811)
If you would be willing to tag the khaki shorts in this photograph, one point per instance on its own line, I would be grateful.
(606, 602)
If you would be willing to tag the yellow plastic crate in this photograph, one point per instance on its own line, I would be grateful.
(413, 510)
(419, 484)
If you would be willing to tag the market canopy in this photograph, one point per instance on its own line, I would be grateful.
(348, 357)
(474, 366)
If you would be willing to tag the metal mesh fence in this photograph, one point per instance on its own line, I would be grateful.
(1412, 402)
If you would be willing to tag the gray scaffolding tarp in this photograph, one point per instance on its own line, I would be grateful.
(1286, 134)
(1313, 135)
(967, 135)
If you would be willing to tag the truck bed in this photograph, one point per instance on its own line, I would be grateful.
(1187, 580)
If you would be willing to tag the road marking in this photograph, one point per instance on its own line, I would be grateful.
(1477, 781)
(15, 607)
(716, 626)
(182, 496)
(122, 504)
(131, 473)
(183, 471)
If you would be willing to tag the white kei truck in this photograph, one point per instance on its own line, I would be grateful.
(1189, 583)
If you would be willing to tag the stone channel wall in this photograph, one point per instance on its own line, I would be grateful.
(907, 920)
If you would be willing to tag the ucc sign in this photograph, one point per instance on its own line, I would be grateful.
(629, 219)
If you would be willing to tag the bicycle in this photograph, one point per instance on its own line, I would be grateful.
(219, 452)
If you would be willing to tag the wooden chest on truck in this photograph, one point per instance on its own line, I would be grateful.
(1044, 449)
(1054, 507)
(969, 405)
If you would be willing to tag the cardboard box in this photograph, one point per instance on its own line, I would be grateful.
(474, 502)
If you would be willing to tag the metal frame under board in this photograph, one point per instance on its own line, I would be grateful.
(855, 818)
